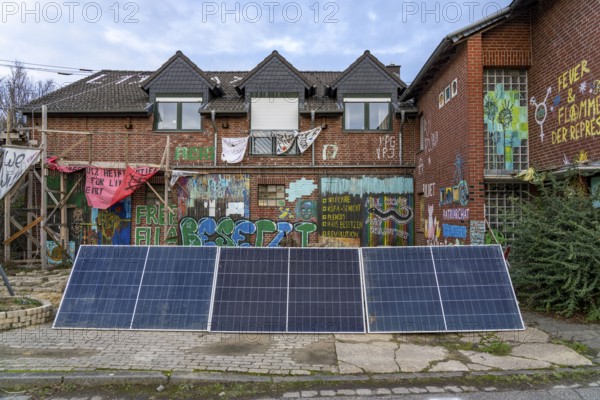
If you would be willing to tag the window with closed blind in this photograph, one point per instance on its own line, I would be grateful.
(272, 114)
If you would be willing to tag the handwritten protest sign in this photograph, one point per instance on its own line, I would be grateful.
(14, 164)
(104, 187)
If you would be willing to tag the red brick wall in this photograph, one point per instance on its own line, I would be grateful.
(508, 44)
(566, 53)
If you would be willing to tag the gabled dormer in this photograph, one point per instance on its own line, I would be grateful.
(178, 90)
(368, 93)
(275, 75)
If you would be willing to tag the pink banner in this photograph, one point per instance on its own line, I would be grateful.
(105, 187)
(67, 169)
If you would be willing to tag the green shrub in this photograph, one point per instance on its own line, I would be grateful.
(556, 249)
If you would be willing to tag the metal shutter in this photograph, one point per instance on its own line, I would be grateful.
(274, 113)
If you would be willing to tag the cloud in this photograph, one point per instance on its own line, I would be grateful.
(372, 16)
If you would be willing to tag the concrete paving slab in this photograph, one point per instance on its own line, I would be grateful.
(375, 357)
(187, 377)
(478, 367)
(504, 362)
(414, 358)
(362, 338)
(530, 335)
(448, 366)
(552, 353)
(346, 368)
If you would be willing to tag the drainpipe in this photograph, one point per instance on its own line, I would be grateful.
(213, 116)
(312, 125)
(403, 114)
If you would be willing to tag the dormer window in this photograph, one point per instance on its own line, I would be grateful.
(177, 113)
(367, 114)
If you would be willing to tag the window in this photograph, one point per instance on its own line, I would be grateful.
(273, 118)
(271, 195)
(177, 114)
(362, 114)
(422, 128)
(505, 117)
(501, 200)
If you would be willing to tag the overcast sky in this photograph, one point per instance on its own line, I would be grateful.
(228, 35)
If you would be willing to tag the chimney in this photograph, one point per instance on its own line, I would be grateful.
(394, 69)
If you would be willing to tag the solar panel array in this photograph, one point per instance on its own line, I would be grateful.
(303, 290)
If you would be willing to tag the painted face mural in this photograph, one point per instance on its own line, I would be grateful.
(306, 210)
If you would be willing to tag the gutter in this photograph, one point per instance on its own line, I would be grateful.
(451, 39)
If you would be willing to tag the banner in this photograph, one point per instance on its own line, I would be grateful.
(307, 138)
(67, 169)
(105, 187)
(285, 141)
(15, 163)
(234, 149)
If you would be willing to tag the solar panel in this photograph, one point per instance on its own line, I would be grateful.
(251, 290)
(476, 289)
(325, 291)
(102, 288)
(431, 289)
(176, 289)
(401, 290)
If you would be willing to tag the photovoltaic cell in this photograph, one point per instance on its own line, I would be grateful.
(251, 290)
(325, 291)
(401, 290)
(476, 290)
(176, 289)
(102, 288)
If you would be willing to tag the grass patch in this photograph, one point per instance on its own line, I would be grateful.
(18, 303)
(578, 347)
(496, 348)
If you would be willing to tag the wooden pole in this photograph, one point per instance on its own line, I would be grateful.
(44, 199)
(8, 197)
(64, 232)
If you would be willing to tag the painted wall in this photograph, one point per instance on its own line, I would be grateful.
(564, 83)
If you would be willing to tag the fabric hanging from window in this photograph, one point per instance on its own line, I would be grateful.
(234, 149)
(307, 138)
(285, 141)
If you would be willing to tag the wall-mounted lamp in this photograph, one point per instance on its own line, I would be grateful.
(225, 125)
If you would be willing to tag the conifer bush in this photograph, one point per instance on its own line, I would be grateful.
(555, 255)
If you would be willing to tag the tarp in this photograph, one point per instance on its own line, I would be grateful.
(105, 187)
(15, 162)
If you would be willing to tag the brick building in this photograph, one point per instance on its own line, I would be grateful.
(516, 90)
(351, 185)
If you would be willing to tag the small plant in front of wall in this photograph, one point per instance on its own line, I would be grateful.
(18, 303)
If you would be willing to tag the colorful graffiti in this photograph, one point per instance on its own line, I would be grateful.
(459, 193)
(477, 231)
(150, 225)
(113, 225)
(367, 211)
(194, 153)
(227, 232)
(579, 117)
(432, 228)
(387, 148)
(306, 210)
(300, 188)
(506, 125)
(215, 195)
(56, 254)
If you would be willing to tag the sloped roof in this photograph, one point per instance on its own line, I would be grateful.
(367, 55)
(177, 56)
(103, 92)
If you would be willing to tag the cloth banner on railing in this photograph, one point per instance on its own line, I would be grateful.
(105, 187)
(307, 138)
(15, 162)
(234, 149)
(67, 169)
(285, 141)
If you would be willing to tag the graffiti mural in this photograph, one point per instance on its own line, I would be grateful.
(432, 228)
(506, 126)
(300, 188)
(387, 148)
(215, 195)
(458, 194)
(150, 225)
(306, 210)
(113, 225)
(242, 233)
(56, 253)
(367, 211)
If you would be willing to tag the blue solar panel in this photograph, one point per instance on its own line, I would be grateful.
(476, 289)
(401, 290)
(251, 290)
(176, 289)
(429, 289)
(325, 291)
(102, 288)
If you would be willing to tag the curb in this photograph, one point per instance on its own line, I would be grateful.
(102, 378)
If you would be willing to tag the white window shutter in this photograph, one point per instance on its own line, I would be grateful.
(274, 113)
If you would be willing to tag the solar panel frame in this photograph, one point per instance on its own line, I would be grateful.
(277, 322)
(202, 260)
(513, 319)
(69, 288)
(448, 324)
(412, 321)
(331, 316)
